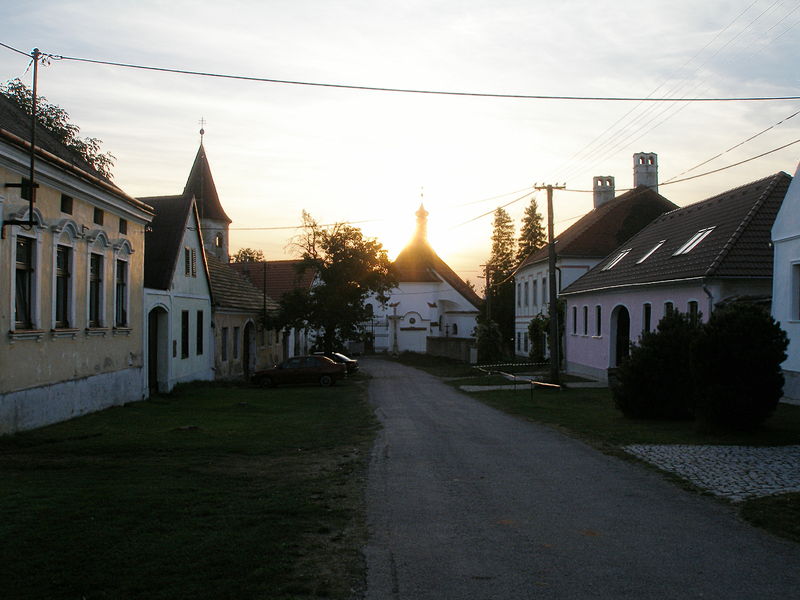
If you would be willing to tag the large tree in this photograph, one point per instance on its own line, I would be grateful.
(500, 289)
(349, 268)
(248, 255)
(56, 120)
(532, 236)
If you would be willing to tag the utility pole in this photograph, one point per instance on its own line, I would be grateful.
(555, 342)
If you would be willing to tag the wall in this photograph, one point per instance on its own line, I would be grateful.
(457, 348)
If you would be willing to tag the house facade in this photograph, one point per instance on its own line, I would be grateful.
(786, 283)
(432, 310)
(71, 296)
(585, 243)
(690, 259)
(177, 297)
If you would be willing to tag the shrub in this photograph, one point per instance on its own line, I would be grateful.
(489, 342)
(738, 356)
(655, 380)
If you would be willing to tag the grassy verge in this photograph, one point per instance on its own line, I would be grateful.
(211, 492)
(589, 414)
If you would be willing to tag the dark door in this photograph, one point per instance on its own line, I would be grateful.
(152, 351)
(623, 335)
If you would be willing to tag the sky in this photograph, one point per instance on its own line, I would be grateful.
(371, 157)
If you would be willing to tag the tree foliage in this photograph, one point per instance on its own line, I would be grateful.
(56, 120)
(532, 234)
(489, 342)
(349, 269)
(247, 255)
(500, 289)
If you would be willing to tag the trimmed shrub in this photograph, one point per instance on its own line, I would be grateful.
(737, 363)
(655, 381)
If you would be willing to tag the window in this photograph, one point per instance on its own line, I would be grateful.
(25, 188)
(190, 262)
(199, 333)
(24, 284)
(223, 342)
(63, 264)
(66, 204)
(668, 308)
(693, 241)
(535, 292)
(95, 290)
(616, 259)
(235, 343)
(526, 294)
(585, 320)
(519, 341)
(369, 311)
(544, 290)
(694, 312)
(184, 334)
(598, 314)
(519, 294)
(455, 328)
(98, 216)
(123, 226)
(525, 341)
(574, 320)
(652, 250)
(218, 240)
(121, 295)
(647, 317)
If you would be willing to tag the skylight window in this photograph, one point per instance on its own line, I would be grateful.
(653, 249)
(616, 259)
(694, 241)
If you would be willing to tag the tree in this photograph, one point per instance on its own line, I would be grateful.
(247, 255)
(349, 268)
(500, 288)
(56, 120)
(532, 234)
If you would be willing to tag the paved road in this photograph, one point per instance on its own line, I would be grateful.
(467, 503)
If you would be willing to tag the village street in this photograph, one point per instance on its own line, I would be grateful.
(465, 502)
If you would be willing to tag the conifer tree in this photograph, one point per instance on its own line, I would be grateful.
(500, 292)
(532, 235)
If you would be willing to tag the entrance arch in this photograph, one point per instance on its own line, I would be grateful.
(620, 335)
(158, 350)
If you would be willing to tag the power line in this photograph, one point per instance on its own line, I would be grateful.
(405, 90)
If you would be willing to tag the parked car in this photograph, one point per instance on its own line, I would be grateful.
(302, 369)
(350, 363)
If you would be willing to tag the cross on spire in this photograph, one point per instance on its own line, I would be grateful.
(202, 123)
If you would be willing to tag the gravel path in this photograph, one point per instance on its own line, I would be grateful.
(465, 502)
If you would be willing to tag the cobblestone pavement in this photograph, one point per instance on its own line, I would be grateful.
(733, 472)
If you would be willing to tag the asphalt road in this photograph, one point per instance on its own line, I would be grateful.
(465, 502)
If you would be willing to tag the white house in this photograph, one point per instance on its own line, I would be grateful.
(432, 310)
(177, 296)
(786, 282)
(585, 243)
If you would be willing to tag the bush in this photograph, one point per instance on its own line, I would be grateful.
(738, 356)
(489, 342)
(655, 380)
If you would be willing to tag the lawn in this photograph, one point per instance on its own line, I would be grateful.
(589, 414)
(210, 492)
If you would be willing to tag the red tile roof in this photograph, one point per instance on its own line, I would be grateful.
(282, 276)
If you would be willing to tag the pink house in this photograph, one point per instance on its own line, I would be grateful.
(690, 259)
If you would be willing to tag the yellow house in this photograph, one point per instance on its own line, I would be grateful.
(70, 283)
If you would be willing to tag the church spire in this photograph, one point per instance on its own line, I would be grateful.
(422, 224)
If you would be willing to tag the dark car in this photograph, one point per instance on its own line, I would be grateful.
(350, 363)
(302, 369)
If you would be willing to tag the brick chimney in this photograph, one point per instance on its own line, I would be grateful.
(603, 189)
(645, 170)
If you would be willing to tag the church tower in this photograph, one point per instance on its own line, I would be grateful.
(213, 220)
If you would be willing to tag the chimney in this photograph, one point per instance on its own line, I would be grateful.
(645, 170)
(603, 187)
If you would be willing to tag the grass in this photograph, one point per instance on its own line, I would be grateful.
(210, 492)
(589, 414)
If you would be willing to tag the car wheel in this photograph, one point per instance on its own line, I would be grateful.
(326, 380)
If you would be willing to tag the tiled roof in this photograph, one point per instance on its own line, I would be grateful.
(604, 228)
(282, 276)
(162, 240)
(419, 263)
(737, 246)
(229, 289)
(201, 185)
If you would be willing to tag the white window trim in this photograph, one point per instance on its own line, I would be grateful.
(693, 241)
(65, 233)
(616, 259)
(650, 253)
(36, 235)
(98, 244)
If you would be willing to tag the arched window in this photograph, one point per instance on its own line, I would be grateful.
(218, 240)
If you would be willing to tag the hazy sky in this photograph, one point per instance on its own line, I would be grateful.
(348, 155)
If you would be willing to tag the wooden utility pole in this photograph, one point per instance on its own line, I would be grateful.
(555, 342)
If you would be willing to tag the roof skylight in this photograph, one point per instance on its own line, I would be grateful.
(693, 241)
(653, 249)
(616, 259)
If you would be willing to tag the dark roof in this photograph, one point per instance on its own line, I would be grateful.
(604, 228)
(419, 263)
(738, 246)
(229, 289)
(201, 185)
(282, 276)
(162, 240)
